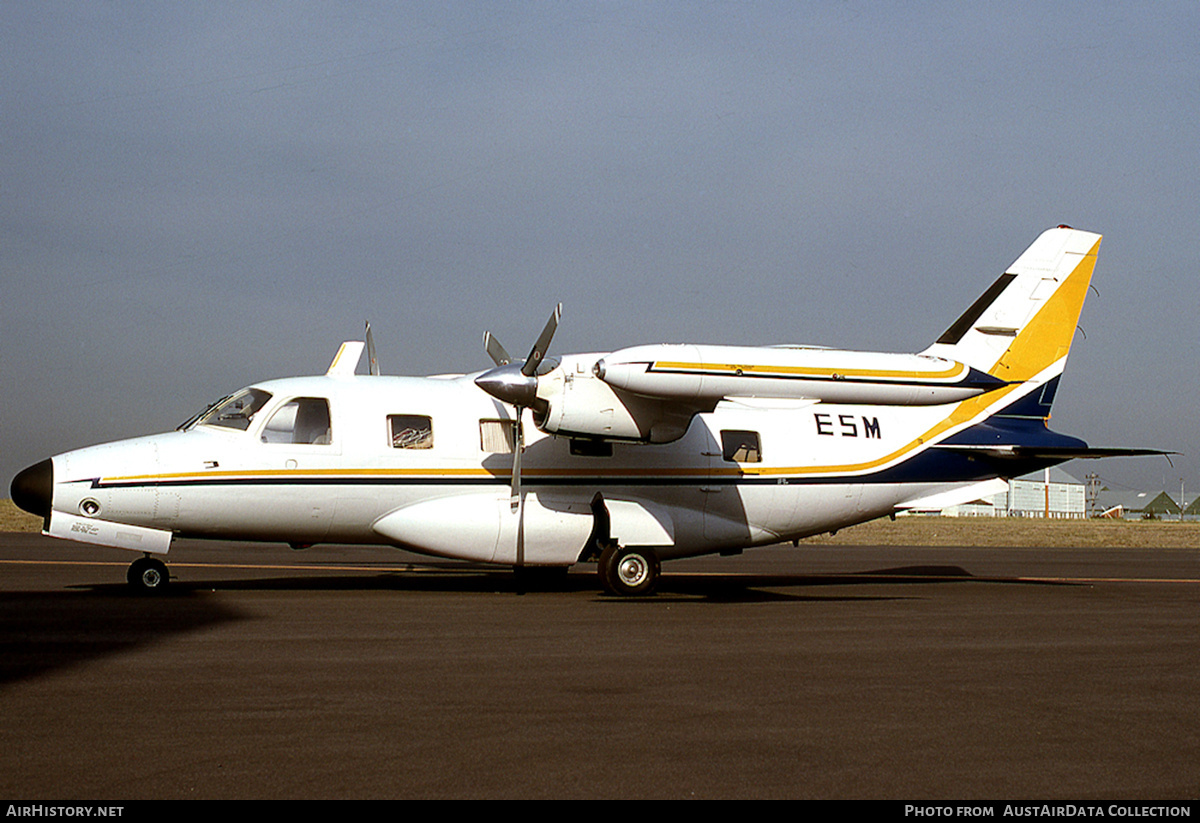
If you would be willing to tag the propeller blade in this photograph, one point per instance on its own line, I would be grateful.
(520, 537)
(515, 500)
(372, 360)
(543, 343)
(518, 502)
(495, 351)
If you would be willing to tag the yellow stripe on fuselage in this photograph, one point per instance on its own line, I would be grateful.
(952, 373)
(963, 412)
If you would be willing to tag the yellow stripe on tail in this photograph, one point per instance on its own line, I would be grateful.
(1024, 324)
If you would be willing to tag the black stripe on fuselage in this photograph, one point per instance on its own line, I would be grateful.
(926, 467)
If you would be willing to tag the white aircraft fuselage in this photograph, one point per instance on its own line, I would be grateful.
(630, 457)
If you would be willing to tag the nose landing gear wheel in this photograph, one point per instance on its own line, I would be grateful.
(148, 575)
(629, 570)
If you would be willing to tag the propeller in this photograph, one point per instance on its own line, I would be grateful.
(515, 383)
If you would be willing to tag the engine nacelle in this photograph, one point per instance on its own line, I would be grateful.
(580, 404)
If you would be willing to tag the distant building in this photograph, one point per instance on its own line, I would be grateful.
(1065, 497)
(1131, 505)
(1030, 496)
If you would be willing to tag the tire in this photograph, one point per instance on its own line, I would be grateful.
(148, 575)
(629, 571)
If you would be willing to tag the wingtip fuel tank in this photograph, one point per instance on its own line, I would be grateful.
(690, 373)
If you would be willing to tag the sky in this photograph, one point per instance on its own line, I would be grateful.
(195, 196)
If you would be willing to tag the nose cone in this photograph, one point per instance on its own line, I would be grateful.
(33, 488)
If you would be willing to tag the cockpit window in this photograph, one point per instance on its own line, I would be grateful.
(304, 420)
(235, 411)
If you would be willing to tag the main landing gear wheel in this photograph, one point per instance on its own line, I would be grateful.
(148, 575)
(629, 571)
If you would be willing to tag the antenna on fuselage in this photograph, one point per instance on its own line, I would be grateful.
(372, 360)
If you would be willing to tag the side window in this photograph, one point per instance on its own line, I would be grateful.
(303, 420)
(497, 436)
(410, 431)
(740, 447)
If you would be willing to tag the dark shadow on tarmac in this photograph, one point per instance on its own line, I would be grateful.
(459, 578)
(44, 631)
(463, 579)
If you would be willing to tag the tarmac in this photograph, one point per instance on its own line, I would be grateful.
(820, 672)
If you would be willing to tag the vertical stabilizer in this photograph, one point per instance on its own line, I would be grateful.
(1021, 328)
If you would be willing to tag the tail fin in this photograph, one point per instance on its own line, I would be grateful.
(1020, 331)
(1021, 328)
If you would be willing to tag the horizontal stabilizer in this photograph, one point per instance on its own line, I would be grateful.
(1056, 453)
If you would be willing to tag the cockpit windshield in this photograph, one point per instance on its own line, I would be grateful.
(232, 412)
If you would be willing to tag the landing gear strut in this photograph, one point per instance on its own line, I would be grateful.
(148, 575)
(629, 571)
